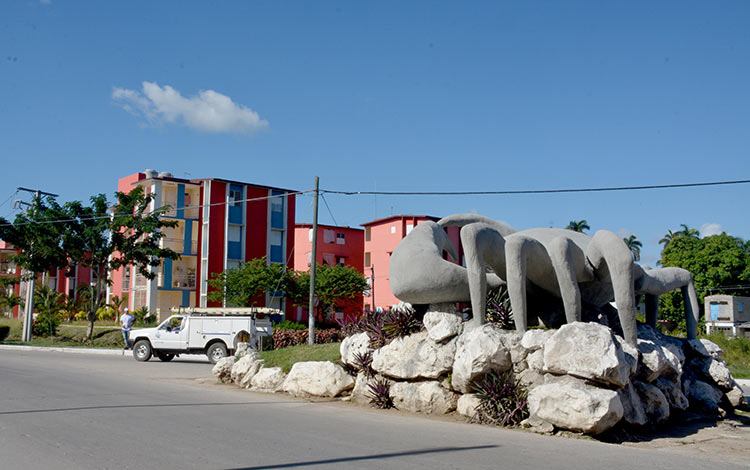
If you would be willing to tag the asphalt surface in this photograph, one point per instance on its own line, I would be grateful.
(89, 411)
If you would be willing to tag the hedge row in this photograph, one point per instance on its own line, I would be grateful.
(286, 338)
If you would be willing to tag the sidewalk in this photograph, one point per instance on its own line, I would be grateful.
(10, 347)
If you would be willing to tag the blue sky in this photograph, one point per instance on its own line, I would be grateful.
(391, 96)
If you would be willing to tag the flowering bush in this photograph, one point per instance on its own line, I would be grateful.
(286, 338)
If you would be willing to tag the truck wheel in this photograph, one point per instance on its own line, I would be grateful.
(142, 350)
(164, 356)
(216, 352)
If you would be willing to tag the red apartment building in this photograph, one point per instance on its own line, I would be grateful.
(381, 238)
(63, 281)
(336, 245)
(221, 224)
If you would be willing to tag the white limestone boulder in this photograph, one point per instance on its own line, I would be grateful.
(467, 405)
(572, 404)
(705, 348)
(479, 350)
(422, 397)
(672, 391)
(653, 360)
(442, 326)
(736, 397)
(655, 404)
(267, 379)
(317, 378)
(352, 345)
(535, 338)
(588, 351)
(222, 370)
(361, 392)
(703, 397)
(633, 412)
(414, 356)
(713, 371)
(245, 368)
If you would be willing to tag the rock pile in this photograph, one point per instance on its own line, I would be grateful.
(581, 377)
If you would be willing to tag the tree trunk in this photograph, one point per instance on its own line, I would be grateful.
(91, 317)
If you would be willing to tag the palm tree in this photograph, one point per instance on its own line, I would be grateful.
(667, 238)
(9, 300)
(635, 246)
(116, 303)
(578, 225)
(689, 232)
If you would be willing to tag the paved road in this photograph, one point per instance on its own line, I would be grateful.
(79, 411)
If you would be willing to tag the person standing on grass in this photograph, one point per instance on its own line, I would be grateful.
(126, 323)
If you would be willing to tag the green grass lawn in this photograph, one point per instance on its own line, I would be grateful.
(68, 335)
(286, 357)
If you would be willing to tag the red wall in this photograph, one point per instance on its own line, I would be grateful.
(216, 234)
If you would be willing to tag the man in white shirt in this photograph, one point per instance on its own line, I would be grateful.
(126, 323)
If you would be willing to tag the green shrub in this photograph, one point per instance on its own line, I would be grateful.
(289, 325)
(4, 332)
(287, 338)
(45, 325)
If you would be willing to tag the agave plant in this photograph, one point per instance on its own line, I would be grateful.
(379, 394)
(498, 309)
(401, 322)
(502, 400)
(363, 362)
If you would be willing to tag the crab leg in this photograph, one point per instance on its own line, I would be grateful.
(562, 251)
(608, 249)
(662, 280)
(483, 246)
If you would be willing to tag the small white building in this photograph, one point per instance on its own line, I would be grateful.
(727, 314)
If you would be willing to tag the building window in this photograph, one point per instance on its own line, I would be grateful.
(126, 278)
(341, 238)
(277, 210)
(329, 259)
(393, 229)
(235, 197)
(277, 245)
(310, 235)
(739, 307)
(367, 259)
(329, 236)
(368, 234)
(409, 228)
(341, 261)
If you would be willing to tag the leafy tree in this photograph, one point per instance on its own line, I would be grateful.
(38, 233)
(104, 241)
(634, 245)
(245, 285)
(334, 285)
(116, 303)
(578, 225)
(720, 264)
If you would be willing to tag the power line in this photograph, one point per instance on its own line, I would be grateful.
(329, 209)
(532, 191)
(162, 210)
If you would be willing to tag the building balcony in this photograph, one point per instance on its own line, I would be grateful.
(176, 244)
(184, 282)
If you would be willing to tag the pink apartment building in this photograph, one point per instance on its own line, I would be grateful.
(336, 245)
(381, 238)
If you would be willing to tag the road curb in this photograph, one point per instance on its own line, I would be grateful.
(111, 352)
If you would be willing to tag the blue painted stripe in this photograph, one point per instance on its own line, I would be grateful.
(167, 273)
(180, 200)
(186, 298)
(187, 241)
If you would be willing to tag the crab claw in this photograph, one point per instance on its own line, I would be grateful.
(460, 220)
(420, 275)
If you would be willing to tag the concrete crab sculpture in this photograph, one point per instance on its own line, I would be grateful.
(571, 266)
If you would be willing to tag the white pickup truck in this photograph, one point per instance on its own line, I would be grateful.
(214, 332)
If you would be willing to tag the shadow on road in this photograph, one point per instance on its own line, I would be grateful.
(690, 425)
(163, 405)
(308, 463)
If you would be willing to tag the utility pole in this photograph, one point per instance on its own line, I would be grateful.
(313, 257)
(28, 313)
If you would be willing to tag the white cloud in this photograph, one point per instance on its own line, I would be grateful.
(208, 111)
(709, 229)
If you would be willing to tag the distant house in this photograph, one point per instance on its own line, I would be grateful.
(727, 314)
